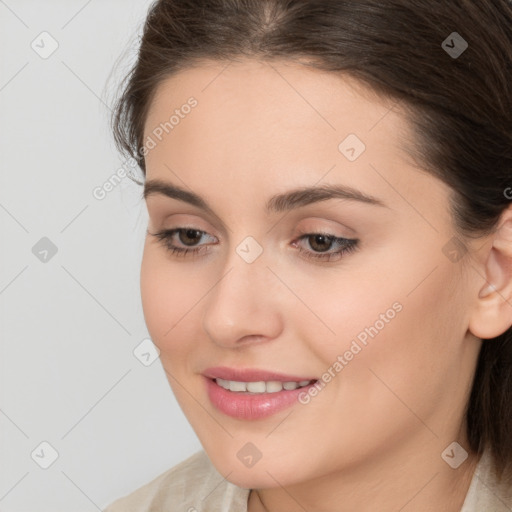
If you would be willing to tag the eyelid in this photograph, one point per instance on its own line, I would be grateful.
(184, 221)
(319, 224)
(160, 215)
(299, 216)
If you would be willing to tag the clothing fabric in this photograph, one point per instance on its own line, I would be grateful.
(194, 485)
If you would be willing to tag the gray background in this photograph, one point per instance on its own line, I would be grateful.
(71, 319)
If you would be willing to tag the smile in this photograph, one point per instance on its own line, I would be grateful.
(254, 400)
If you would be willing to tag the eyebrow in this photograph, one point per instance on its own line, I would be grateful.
(295, 198)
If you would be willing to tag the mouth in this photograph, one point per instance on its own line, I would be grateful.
(251, 399)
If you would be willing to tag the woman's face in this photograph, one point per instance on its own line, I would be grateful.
(382, 327)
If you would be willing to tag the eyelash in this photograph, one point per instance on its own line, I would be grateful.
(347, 245)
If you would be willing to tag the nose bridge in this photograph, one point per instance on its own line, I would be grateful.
(241, 304)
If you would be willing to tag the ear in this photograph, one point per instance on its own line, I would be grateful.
(492, 314)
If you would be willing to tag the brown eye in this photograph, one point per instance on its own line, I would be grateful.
(321, 246)
(189, 236)
(319, 242)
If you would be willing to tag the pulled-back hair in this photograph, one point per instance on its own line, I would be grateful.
(458, 105)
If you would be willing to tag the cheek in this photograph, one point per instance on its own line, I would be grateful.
(413, 358)
(355, 302)
(399, 318)
(168, 295)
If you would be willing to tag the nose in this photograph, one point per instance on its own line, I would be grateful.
(243, 306)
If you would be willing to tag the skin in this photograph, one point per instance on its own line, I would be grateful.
(372, 439)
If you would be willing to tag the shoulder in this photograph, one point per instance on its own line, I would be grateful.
(193, 485)
(486, 492)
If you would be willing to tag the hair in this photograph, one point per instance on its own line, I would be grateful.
(459, 108)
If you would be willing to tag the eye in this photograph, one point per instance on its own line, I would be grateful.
(189, 236)
(320, 243)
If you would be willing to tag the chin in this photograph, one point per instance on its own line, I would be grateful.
(256, 479)
(262, 474)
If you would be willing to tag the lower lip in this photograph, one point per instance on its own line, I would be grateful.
(251, 407)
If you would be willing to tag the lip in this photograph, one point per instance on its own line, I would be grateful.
(251, 375)
(247, 406)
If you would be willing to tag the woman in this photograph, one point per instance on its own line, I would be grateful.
(327, 271)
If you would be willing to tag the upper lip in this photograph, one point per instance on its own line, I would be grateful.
(251, 375)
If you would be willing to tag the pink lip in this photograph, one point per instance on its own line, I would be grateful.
(248, 406)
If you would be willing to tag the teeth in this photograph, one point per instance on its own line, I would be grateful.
(272, 386)
(237, 386)
(256, 387)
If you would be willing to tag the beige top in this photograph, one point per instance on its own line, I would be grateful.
(194, 485)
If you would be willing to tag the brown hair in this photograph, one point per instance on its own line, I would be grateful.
(459, 106)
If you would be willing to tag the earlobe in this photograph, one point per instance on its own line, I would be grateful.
(492, 314)
(487, 290)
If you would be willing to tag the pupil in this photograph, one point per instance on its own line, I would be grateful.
(190, 233)
(323, 239)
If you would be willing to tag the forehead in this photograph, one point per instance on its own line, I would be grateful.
(260, 111)
(254, 97)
